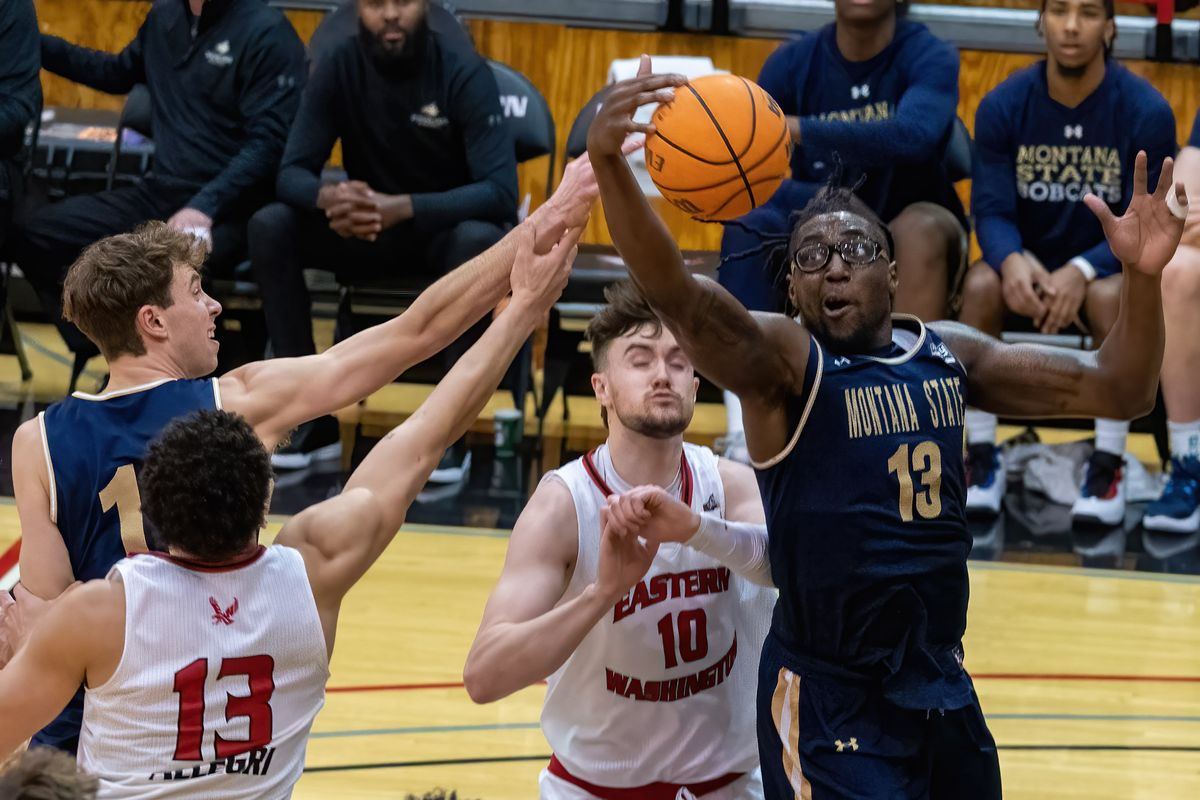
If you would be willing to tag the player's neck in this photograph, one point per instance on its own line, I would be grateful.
(642, 461)
(863, 41)
(129, 372)
(1070, 87)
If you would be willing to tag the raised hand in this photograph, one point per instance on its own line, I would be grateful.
(614, 121)
(653, 514)
(1144, 238)
(624, 559)
(540, 278)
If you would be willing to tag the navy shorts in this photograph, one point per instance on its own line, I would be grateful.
(822, 738)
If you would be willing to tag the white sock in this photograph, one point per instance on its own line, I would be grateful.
(1185, 438)
(733, 413)
(1111, 435)
(981, 427)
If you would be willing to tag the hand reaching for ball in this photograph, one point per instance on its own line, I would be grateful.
(614, 121)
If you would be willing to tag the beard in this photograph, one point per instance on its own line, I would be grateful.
(655, 423)
(386, 57)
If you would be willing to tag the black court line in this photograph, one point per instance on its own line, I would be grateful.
(450, 762)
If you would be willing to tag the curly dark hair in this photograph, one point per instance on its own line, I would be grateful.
(625, 312)
(205, 482)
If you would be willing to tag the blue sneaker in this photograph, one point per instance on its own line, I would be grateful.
(1178, 509)
(985, 480)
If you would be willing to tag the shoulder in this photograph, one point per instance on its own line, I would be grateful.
(27, 440)
(1015, 88)
(1144, 102)
(913, 38)
(266, 27)
(966, 343)
(548, 528)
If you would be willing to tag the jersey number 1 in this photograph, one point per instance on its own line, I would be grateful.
(189, 685)
(122, 492)
(927, 464)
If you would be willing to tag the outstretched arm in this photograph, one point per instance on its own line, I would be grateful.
(1118, 380)
(342, 537)
(277, 395)
(759, 358)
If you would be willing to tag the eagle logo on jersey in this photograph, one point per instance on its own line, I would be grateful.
(711, 504)
(223, 617)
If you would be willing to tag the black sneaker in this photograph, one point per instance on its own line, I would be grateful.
(317, 440)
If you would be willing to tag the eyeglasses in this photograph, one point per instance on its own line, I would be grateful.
(858, 252)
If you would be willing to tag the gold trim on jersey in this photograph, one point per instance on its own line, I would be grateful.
(912, 351)
(812, 397)
(123, 392)
(49, 467)
(785, 711)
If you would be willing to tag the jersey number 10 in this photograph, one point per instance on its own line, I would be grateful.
(693, 637)
(926, 463)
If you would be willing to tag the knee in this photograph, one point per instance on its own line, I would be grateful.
(269, 223)
(927, 226)
(471, 237)
(981, 285)
(1181, 279)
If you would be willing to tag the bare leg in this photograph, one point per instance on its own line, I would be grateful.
(929, 244)
(1181, 357)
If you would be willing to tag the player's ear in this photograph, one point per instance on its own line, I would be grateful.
(893, 280)
(600, 387)
(150, 323)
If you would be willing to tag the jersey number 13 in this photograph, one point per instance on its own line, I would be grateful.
(926, 465)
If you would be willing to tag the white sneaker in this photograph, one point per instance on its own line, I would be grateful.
(986, 480)
(1102, 496)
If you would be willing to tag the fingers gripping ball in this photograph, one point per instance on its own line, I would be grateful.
(720, 149)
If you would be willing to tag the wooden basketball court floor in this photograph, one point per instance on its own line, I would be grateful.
(1090, 678)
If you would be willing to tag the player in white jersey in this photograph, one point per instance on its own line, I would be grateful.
(206, 665)
(650, 653)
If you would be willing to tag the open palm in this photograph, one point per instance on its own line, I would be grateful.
(1146, 235)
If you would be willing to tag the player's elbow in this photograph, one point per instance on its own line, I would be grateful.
(479, 678)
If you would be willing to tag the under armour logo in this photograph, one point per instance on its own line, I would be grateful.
(941, 351)
(841, 746)
(711, 503)
(859, 92)
(1073, 131)
(841, 361)
(223, 617)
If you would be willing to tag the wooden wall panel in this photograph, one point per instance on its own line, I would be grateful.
(569, 64)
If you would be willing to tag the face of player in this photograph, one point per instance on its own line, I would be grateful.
(390, 26)
(191, 323)
(846, 306)
(1076, 32)
(647, 384)
(864, 11)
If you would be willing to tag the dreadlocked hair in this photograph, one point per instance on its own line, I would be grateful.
(833, 196)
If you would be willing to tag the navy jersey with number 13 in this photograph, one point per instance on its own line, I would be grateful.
(866, 512)
(94, 447)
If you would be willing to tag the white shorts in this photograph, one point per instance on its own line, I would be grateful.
(747, 787)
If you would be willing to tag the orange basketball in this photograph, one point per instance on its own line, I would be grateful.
(720, 149)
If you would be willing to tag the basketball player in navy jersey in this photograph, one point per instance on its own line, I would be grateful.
(138, 297)
(206, 664)
(854, 419)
